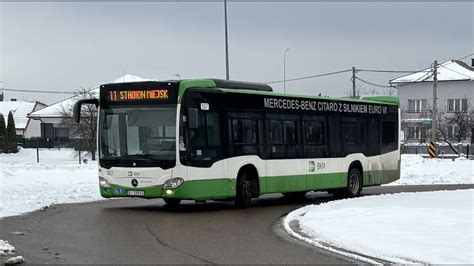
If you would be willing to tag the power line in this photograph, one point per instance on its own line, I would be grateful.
(374, 84)
(390, 71)
(466, 56)
(309, 77)
(455, 71)
(36, 91)
(420, 79)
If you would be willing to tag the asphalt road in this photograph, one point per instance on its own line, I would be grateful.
(146, 231)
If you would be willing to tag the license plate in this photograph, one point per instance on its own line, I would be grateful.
(135, 193)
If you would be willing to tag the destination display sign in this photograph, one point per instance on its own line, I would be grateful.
(324, 106)
(127, 95)
(138, 93)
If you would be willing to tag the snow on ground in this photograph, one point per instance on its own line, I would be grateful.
(427, 227)
(26, 185)
(416, 170)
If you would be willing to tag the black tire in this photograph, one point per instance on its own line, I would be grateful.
(243, 197)
(295, 195)
(172, 202)
(354, 183)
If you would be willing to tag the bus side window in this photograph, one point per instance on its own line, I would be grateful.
(244, 134)
(354, 137)
(282, 135)
(389, 136)
(314, 139)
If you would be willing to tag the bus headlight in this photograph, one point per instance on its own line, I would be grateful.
(103, 182)
(173, 182)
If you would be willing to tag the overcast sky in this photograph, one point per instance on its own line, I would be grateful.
(66, 46)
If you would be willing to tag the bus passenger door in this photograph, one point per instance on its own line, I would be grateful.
(210, 172)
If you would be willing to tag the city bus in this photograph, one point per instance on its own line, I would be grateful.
(210, 139)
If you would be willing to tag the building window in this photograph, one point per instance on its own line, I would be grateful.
(457, 105)
(417, 132)
(417, 105)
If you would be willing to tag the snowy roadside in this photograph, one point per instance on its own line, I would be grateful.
(427, 227)
(416, 170)
(58, 178)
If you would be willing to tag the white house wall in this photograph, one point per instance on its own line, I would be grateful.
(33, 130)
(446, 90)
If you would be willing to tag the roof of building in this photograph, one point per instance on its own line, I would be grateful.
(57, 109)
(20, 111)
(453, 70)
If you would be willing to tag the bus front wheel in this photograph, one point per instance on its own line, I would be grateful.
(243, 197)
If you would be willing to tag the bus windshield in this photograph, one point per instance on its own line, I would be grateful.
(138, 133)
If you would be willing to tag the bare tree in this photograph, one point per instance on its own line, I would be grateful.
(462, 121)
(86, 130)
(374, 91)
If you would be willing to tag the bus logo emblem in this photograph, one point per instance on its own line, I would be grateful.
(134, 182)
(311, 166)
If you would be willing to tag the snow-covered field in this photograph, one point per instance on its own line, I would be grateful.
(26, 185)
(427, 227)
(58, 178)
(416, 170)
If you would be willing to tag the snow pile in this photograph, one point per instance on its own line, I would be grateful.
(6, 248)
(416, 170)
(15, 260)
(427, 227)
(26, 185)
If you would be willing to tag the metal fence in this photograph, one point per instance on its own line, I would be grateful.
(443, 150)
(50, 143)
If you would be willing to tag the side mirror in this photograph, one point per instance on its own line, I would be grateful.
(193, 119)
(78, 105)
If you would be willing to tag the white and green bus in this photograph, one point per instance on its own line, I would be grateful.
(227, 140)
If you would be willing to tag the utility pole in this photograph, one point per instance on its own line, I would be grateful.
(354, 82)
(434, 112)
(226, 43)
(284, 70)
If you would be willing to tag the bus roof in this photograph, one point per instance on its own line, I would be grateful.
(264, 89)
(243, 87)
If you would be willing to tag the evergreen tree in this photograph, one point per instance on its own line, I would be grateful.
(3, 134)
(12, 146)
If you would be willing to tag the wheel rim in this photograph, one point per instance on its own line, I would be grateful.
(247, 190)
(354, 184)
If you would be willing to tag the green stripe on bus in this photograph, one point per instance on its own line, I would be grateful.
(225, 188)
(199, 83)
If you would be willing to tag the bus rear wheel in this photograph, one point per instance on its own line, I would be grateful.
(172, 202)
(243, 197)
(353, 188)
(354, 183)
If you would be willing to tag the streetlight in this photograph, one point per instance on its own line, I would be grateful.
(226, 43)
(284, 70)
